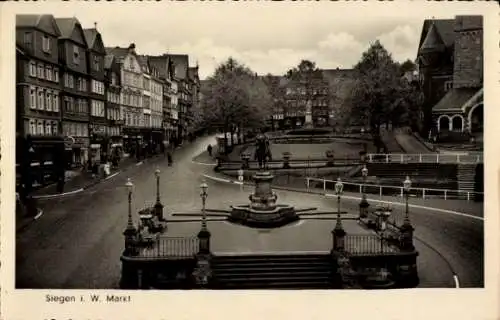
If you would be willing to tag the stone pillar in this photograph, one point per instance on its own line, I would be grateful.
(406, 243)
(263, 197)
(204, 241)
(339, 239)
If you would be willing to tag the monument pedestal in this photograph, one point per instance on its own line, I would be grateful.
(263, 212)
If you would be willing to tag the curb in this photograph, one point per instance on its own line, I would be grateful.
(329, 195)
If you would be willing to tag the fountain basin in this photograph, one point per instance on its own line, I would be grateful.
(279, 216)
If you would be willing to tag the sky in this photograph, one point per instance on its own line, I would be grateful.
(267, 37)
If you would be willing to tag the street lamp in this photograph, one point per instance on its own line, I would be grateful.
(339, 187)
(203, 195)
(407, 187)
(338, 232)
(363, 205)
(157, 174)
(130, 232)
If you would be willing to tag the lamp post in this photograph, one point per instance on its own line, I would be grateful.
(363, 205)
(407, 187)
(157, 174)
(130, 232)
(407, 228)
(203, 195)
(338, 231)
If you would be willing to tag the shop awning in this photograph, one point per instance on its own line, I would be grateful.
(454, 100)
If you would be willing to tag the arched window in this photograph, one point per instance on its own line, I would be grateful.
(40, 99)
(444, 123)
(48, 128)
(55, 128)
(40, 128)
(457, 123)
(32, 129)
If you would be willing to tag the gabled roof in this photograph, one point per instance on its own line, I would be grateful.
(67, 26)
(160, 63)
(90, 36)
(445, 29)
(118, 52)
(181, 64)
(108, 61)
(433, 41)
(143, 62)
(454, 99)
(38, 21)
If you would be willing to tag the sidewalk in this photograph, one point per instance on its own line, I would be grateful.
(409, 143)
(79, 182)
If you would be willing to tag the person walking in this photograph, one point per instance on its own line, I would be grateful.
(209, 150)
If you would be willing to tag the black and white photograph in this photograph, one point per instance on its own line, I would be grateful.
(250, 146)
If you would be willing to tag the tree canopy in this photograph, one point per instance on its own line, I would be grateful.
(381, 95)
(234, 96)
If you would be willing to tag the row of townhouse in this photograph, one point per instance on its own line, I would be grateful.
(78, 101)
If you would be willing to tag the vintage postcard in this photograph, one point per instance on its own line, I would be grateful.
(178, 160)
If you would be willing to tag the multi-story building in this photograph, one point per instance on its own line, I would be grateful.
(98, 126)
(112, 84)
(166, 73)
(132, 113)
(39, 146)
(152, 103)
(450, 67)
(75, 82)
(195, 98)
(184, 89)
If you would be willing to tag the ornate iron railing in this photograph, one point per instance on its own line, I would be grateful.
(368, 245)
(170, 247)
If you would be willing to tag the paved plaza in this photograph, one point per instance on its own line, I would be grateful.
(78, 241)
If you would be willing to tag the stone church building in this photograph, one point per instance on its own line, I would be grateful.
(450, 63)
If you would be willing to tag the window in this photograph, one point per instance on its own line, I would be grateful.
(32, 69)
(54, 128)
(41, 71)
(76, 54)
(113, 79)
(28, 39)
(96, 63)
(79, 132)
(40, 128)
(46, 44)
(32, 98)
(55, 106)
(67, 104)
(48, 128)
(56, 75)
(68, 81)
(32, 127)
(448, 85)
(48, 101)
(40, 99)
(48, 73)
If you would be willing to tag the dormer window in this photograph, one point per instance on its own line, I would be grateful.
(28, 39)
(96, 63)
(76, 55)
(46, 44)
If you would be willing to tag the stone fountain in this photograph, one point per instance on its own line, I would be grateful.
(263, 212)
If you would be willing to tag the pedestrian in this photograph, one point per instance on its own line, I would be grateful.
(169, 157)
(209, 149)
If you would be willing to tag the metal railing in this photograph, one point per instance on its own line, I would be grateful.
(367, 245)
(382, 190)
(171, 247)
(471, 157)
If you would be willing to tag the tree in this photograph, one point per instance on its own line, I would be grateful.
(380, 94)
(407, 66)
(234, 97)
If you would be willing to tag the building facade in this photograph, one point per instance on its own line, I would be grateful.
(39, 147)
(98, 125)
(75, 81)
(112, 85)
(450, 63)
(132, 113)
